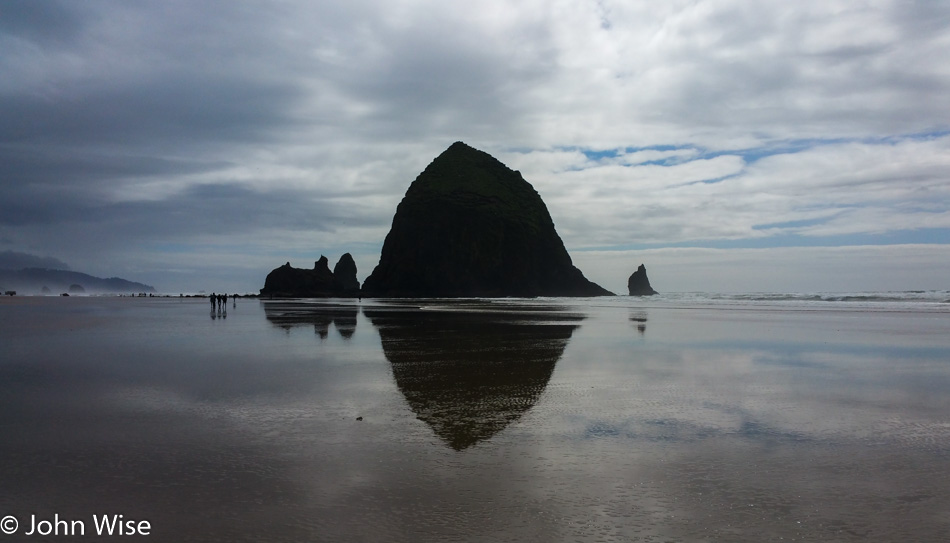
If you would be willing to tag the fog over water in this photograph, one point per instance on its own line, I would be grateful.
(689, 418)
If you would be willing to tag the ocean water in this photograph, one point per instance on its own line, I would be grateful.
(683, 417)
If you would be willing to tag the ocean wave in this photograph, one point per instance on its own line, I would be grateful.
(889, 298)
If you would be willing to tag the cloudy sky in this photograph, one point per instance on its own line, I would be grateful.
(729, 145)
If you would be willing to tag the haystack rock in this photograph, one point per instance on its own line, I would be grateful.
(289, 282)
(638, 284)
(470, 226)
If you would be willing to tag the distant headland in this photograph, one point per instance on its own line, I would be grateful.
(48, 281)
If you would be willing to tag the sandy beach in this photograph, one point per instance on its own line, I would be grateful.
(608, 419)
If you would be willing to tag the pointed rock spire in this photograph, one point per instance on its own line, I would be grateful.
(638, 284)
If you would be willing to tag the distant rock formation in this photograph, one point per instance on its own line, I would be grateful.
(470, 226)
(76, 289)
(638, 284)
(33, 280)
(289, 282)
(344, 274)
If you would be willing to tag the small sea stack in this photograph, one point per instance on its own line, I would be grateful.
(638, 284)
(344, 275)
(319, 282)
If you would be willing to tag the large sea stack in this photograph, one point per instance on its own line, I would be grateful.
(638, 284)
(470, 226)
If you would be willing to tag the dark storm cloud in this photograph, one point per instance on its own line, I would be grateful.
(137, 132)
(57, 160)
(235, 209)
(146, 79)
(110, 111)
(47, 22)
(22, 165)
(176, 110)
(231, 209)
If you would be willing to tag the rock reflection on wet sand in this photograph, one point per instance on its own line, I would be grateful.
(288, 314)
(578, 424)
(468, 375)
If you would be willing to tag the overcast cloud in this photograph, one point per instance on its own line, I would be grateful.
(197, 145)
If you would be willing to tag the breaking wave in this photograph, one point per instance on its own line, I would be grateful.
(896, 300)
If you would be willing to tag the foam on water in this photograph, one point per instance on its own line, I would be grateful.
(915, 300)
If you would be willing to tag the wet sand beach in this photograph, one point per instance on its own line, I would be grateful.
(606, 419)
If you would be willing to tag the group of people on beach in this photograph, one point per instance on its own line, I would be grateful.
(221, 301)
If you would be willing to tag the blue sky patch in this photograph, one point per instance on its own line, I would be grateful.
(939, 236)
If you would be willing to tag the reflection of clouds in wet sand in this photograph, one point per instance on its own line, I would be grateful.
(811, 443)
(469, 374)
(730, 427)
(143, 452)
